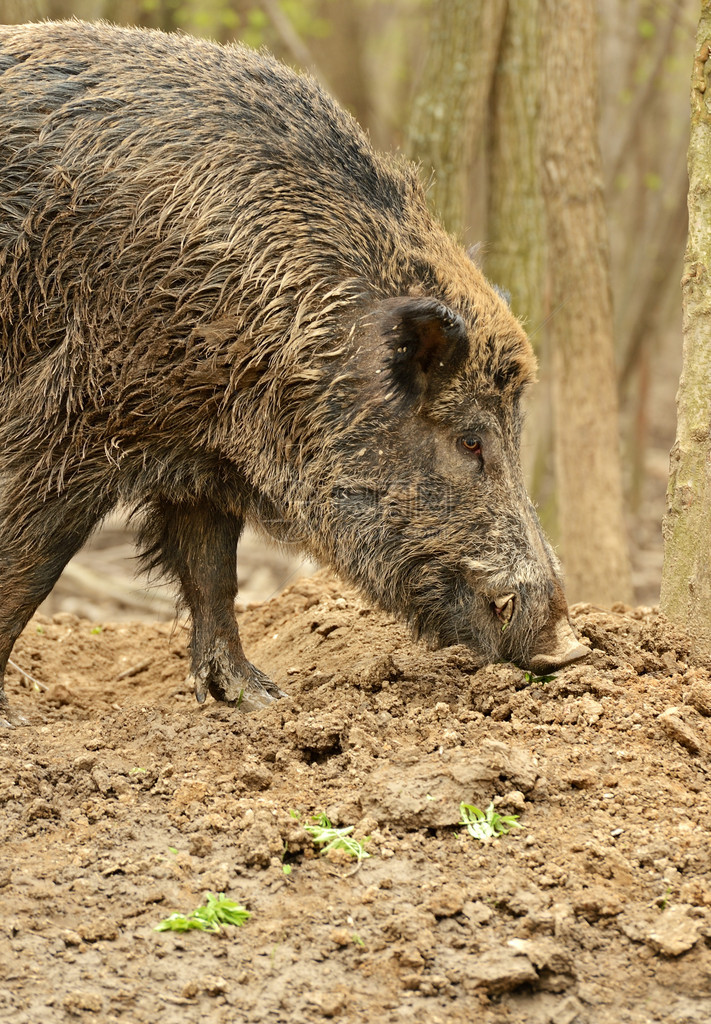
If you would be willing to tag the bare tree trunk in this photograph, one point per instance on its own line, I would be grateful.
(515, 248)
(515, 240)
(450, 108)
(592, 529)
(686, 576)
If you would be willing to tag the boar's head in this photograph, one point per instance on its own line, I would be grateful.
(420, 498)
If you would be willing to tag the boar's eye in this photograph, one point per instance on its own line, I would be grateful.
(470, 446)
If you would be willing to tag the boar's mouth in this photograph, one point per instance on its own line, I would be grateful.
(504, 606)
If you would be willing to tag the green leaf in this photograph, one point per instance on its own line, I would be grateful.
(486, 824)
(218, 910)
(329, 838)
(225, 911)
(531, 677)
(185, 923)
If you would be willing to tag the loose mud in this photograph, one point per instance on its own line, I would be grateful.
(123, 801)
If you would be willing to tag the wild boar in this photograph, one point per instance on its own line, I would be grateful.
(220, 305)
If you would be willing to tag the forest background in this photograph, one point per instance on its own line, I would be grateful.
(554, 134)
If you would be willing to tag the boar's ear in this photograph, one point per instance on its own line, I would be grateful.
(427, 341)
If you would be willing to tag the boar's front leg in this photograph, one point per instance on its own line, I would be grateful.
(40, 530)
(196, 544)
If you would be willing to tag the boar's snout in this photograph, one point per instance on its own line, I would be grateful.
(558, 648)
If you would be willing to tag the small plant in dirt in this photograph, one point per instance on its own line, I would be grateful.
(531, 677)
(329, 838)
(663, 901)
(286, 868)
(486, 824)
(217, 911)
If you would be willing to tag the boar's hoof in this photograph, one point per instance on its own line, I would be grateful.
(237, 683)
(9, 719)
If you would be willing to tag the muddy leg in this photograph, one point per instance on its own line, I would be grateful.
(196, 544)
(38, 535)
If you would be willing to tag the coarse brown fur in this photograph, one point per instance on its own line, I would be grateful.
(219, 304)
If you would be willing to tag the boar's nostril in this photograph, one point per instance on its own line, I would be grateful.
(542, 663)
(504, 606)
(561, 648)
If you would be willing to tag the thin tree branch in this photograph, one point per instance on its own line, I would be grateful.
(292, 41)
(644, 95)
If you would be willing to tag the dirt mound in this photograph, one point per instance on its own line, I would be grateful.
(124, 801)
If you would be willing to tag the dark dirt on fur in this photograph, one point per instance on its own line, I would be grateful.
(123, 801)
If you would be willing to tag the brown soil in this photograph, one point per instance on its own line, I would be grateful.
(124, 801)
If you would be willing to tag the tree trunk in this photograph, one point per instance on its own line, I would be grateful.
(592, 529)
(450, 108)
(686, 576)
(515, 248)
(515, 238)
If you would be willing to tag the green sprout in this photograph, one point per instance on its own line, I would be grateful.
(531, 677)
(96, 630)
(663, 901)
(329, 838)
(486, 824)
(286, 868)
(217, 911)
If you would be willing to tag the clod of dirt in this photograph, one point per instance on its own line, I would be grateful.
(671, 932)
(98, 928)
(209, 984)
(699, 696)
(76, 1003)
(680, 730)
(415, 791)
(546, 954)
(501, 970)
